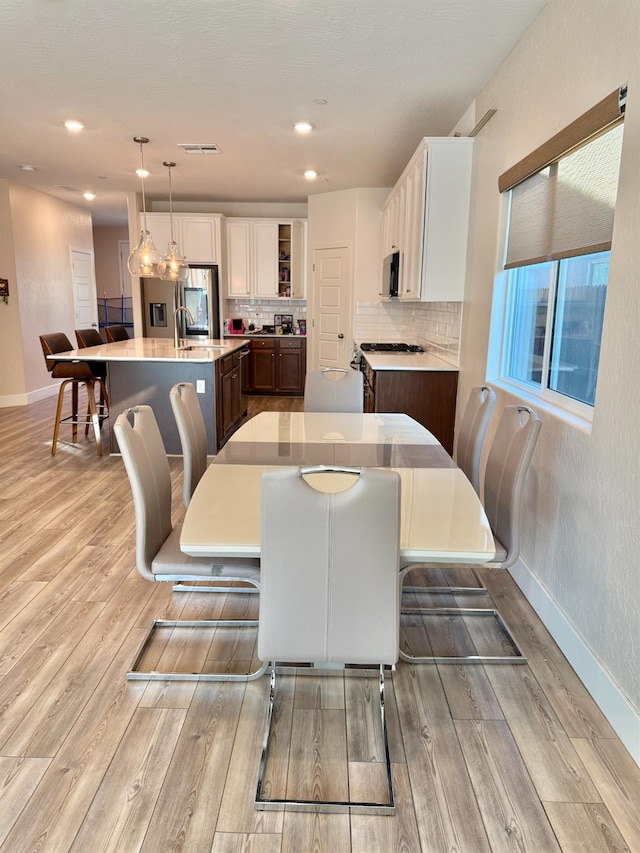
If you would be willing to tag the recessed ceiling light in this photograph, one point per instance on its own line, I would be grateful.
(73, 125)
(89, 196)
(310, 175)
(142, 173)
(303, 127)
(320, 102)
(26, 167)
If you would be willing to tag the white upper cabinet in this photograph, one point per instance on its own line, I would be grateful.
(426, 218)
(265, 258)
(201, 238)
(197, 235)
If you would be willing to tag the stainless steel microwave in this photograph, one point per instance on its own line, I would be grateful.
(391, 275)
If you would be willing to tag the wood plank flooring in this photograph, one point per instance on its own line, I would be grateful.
(502, 758)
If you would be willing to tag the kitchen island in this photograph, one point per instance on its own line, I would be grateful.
(143, 371)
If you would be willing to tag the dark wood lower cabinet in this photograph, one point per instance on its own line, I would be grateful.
(427, 396)
(278, 366)
(262, 368)
(231, 401)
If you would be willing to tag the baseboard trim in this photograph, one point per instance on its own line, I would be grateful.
(613, 703)
(7, 401)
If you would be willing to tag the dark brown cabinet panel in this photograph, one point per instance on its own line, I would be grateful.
(291, 366)
(427, 396)
(231, 402)
(278, 366)
(262, 373)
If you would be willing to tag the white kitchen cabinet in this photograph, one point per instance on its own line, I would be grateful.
(265, 258)
(427, 217)
(197, 235)
(201, 238)
(252, 258)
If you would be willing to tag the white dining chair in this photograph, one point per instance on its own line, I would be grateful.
(334, 389)
(469, 445)
(330, 589)
(158, 554)
(507, 465)
(193, 435)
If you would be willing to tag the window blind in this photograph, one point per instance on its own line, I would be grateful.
(567, 208)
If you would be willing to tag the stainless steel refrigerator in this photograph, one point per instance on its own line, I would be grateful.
(200, 293)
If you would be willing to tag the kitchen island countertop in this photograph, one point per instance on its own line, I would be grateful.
(156, 349)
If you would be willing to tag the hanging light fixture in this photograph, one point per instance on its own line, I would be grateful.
(144, 259)
(173, 266)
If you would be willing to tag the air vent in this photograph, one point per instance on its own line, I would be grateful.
(66, 188)
(195, 148)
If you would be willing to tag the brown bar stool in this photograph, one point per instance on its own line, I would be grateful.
(91, 338)
(73, 373)
(116, 333)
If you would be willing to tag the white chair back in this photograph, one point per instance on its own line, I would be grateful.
(145, 461)
(193, 435)
(334, 389)
(507, 465)
(330, 568)
(473, 430)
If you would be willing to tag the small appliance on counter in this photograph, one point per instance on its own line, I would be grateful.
(236, 326)
(283, 324)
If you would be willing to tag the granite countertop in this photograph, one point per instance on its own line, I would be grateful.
(407, 361)
(156, 349)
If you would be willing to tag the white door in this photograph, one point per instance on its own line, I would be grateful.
(332, 299)
(84, 290)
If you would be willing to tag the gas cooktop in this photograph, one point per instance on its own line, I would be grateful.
(399, 347)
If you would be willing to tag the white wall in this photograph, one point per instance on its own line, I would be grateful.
(350, 218)
(581, 544)
(107, 252)
(12, 380)
(45, 230)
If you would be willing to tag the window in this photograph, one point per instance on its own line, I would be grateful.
(554, 316)
(557, 263)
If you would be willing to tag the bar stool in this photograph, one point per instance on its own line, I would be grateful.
(116, 333)
(91, 338)
(72, 373)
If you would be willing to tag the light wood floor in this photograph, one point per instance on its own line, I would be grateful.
(513, 758)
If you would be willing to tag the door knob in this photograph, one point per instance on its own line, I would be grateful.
(340, 336)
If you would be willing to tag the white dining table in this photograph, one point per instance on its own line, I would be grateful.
(442, 518)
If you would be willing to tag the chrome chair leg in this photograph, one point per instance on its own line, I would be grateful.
(265, 803)
(135, 674)
(517, 658)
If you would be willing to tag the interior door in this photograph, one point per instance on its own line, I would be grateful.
(332, 312)
(84, 290)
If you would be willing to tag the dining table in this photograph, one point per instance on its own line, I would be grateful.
(442, 518)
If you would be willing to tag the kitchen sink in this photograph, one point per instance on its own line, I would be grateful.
(191, 347)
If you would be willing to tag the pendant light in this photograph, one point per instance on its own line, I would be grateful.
(144, 259)
(173, 266)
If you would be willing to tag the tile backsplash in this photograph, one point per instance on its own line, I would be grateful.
(434, 323)
(260, 311)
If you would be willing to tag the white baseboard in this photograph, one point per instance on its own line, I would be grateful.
(616, 707)
(9, 400)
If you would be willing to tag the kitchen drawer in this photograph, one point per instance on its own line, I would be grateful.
(226, 363)
(263, 343)
(290, 343)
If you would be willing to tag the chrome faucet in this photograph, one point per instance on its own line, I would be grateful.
(176, 334)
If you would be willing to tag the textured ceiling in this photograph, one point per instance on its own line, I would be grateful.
(238, 73)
